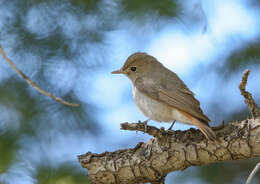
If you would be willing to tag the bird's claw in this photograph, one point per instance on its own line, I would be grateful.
(145, 124)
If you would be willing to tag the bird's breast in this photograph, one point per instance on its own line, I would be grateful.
(155, 109)
(152, 108)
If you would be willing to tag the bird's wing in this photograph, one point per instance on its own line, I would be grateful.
(175, 94)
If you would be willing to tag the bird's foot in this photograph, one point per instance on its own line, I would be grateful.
(145, 124)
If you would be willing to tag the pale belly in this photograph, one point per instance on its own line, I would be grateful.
(156, 110)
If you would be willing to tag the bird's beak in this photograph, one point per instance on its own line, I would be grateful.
(120, 71)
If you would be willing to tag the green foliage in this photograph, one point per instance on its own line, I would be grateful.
(8, 148)
(250, 54)
(86, 5)
(228, 172)
(137, 8)
(64, 174)
(14, 93)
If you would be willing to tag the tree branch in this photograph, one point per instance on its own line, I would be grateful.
(33, 84)
(178, 150)
(140, 126)
(175, 150)
(248, 97)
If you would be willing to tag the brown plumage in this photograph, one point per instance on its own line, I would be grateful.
(161, 95)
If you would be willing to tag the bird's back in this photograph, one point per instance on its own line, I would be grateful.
(173, 91)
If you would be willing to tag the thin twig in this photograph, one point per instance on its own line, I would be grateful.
(151, 130)
(248, 97)
(252, 174)
(33, 84)
(161, 133)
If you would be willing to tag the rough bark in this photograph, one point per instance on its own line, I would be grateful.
(176, 150)
(249, 100)
(171, 151)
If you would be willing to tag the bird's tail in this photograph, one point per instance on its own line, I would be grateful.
(203, 127)
(206, 130)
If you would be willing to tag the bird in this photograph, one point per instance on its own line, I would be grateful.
(161, 95)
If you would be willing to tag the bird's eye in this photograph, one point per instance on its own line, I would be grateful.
(133, 68)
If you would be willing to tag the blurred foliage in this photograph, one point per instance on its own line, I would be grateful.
(87, 5)
(14, 93)
(228, 172)
(64, 174)
(218, 173)
(56, 43)
(136, 8)
(33, 109)
(8, 148)
(250, 54)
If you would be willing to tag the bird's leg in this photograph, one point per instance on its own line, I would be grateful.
(172, 125)
(145, 124)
